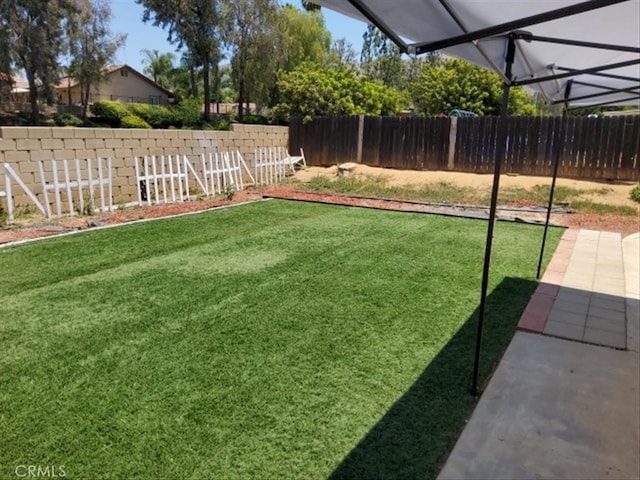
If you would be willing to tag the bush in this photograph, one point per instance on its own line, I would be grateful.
(255, 120)
(158, 116)
(162, 117)
(67, 120)
(110, 112)
(222, 125)
(635, 193)
(139, 109)
(187, 112)
(133, 121)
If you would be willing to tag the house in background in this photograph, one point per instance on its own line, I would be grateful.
(13, 89)
(122, 83)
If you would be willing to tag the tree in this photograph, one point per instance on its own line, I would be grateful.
(453, 83)
(310, 6)
(310, 91)
(342, 56)
(158, 65)
(192, 64)
(251, 39)
(92, 46)
(304, 38)
(185, 80)
(33, 34)
(198, 25)
(381, 59)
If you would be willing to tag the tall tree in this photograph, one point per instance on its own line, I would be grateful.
(251, 37)
(158, 65)
(33, 32)
(192, 64)
(92, 46)
(310, 91)
(381, 59)
(342, 55)
(310, 6)
(185, 79)
(305, 38)
(196, 24)
(452, 83)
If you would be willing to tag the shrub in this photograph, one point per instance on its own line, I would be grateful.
(161, 117)
(255, 120)
(133, 121)
(110, 112)
(67, 120)
(140, 109)
(187, 112)
(158, 116)
(222, 125)
(635, 193)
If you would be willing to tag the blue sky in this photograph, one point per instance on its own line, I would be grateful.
(127, 18)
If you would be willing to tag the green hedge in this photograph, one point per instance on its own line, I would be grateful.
(110, 112)
(184, 114)
(67, 120)
(133, 121)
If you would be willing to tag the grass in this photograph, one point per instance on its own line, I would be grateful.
(272, 340)
(442, 192)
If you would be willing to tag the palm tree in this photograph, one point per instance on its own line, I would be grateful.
(158, 65)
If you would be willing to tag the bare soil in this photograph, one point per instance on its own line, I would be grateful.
(35, 226)
(609, 193)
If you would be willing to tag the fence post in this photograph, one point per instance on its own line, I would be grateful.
(453, 132)
(360, 137)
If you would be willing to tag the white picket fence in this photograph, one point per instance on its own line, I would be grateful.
(70, 189)
(274, 164)
(170, 178)
(98, 176)
(86, 185)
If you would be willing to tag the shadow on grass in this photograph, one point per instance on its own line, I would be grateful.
(414, 437)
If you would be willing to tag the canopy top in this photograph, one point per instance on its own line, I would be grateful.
(578, 52)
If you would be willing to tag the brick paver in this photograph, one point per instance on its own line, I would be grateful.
(582, 293)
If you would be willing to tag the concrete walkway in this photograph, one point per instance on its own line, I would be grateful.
(566, 408)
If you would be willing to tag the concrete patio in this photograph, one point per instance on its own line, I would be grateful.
(564, 401)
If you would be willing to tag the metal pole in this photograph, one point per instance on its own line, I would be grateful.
(499, 154)
(556, 162)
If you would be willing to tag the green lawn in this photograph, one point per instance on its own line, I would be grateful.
(271, 340)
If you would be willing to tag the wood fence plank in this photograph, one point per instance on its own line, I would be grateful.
(603, 148)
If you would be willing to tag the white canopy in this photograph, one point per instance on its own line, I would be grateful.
(573, 52)
(556, 40)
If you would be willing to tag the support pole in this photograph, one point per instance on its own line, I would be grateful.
(556, 162)
(499, 154)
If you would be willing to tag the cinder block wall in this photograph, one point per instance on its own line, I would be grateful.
(23, 147)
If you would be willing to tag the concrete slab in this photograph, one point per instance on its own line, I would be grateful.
(604, 301)
(574, 308)
(605, 337)
(618, 326)
(606, 314)
(564, 330)
(572, 317)
(554, 409)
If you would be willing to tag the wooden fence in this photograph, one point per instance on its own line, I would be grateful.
(591, 148)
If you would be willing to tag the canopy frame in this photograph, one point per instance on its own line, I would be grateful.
(513, 33)
(507, 27)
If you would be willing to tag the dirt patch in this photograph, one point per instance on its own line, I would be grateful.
(609, 193)
(623, 224)
(35, 227)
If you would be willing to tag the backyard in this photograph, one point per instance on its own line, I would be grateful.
(274, 339)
